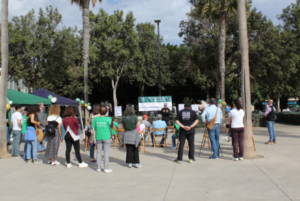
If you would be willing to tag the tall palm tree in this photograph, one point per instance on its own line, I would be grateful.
(85, 7)
(218, 10)
(4, 74)
(246, 94)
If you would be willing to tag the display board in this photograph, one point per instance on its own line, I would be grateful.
(154, 103)
(118, 111)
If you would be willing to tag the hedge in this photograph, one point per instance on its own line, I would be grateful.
(288, 117)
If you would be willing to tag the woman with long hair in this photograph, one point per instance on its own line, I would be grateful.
(72, 136)
(54, 141)
(30, 135)
(101, 126)
(236, 117)
(96, 113)
(131, 137)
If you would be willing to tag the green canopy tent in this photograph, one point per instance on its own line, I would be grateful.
(21, 98)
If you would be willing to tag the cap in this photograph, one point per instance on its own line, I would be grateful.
(165, 104)
(145, 116)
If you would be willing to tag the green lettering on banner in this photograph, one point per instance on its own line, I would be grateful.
(155, 99)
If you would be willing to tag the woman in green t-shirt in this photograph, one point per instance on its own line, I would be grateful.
(130, 123)
(101, 125)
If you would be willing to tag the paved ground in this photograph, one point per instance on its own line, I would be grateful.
(275, 177)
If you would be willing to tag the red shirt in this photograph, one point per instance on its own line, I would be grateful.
(72, 123)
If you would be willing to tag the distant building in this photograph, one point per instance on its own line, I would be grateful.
(14, 85)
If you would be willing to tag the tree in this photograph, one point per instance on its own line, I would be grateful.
(4, 74)
(246, 95)
(85, 6)
(114, 46)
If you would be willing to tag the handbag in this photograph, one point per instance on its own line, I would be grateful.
(40, 136)
(212, 122)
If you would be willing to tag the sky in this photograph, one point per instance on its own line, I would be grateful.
(171, 12)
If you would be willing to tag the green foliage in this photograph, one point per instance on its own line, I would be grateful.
(288, 117)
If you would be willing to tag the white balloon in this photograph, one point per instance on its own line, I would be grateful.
(89, 107)
(10, 102)
(53, 100)
(220, 105)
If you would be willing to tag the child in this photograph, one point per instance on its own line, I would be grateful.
(114, 124)
(175, 136)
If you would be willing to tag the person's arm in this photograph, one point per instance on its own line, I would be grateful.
(12, 125)
(221, 117)
(268, 111)
(33, 121)
(60, 132)
(230, 119)
(203, 116)
(20, 122)
(76, 124)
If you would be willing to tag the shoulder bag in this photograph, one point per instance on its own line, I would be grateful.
(212, 122)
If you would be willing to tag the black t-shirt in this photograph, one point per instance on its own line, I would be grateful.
(165, 114)
(187, 117)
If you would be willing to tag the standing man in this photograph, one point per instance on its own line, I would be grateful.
(165, 115)
(16, 123)
(42, 117)
(209, 114)
(270, 114)
(187, 119)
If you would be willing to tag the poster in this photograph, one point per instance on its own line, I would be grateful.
(118, 111)
(154, 103)
(107, 113)
(180, 107)
(195, 108)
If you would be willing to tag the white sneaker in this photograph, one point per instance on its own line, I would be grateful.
(99, 170)
(138, 165)
(49, 162)
(83, 164)
(241, 158)
(173, 148)
(235, 159)
(108, 170)
(69, 165)
(227, 139)
(130, 165)
(55, 163)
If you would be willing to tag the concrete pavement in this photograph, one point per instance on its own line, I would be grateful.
(274, 177)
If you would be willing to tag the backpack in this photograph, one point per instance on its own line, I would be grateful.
(50, 128)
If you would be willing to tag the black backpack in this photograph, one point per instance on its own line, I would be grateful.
(50, 128)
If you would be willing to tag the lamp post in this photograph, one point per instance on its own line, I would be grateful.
(157, 20)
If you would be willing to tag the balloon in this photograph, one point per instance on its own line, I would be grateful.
(89, 104)
(223, 103)
(53, 100)
(85, 105)
(77, 99)
(50, 97)
(7, 106)
(82, 102)
(10, 102)
(220, 101)
(89, 107)
(219, 105)
(297, 105)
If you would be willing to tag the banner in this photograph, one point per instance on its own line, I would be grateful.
(118, 111)
(154, 103)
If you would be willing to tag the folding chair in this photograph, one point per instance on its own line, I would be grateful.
(118, 138)
(170, 137)
(159, 136)
(147, 133)
(143, 142)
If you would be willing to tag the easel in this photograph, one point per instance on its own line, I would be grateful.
(206, 139)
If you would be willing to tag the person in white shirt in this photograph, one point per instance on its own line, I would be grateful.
(236, 117)
(16, 123)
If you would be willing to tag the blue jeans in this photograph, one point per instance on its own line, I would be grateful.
(25, 150)
(162, 140)
(167, 122)
(7, 134)
(271, 130)
(174, 137)
(31, 149)
(92, 150)
(17, 137)
(214, 135)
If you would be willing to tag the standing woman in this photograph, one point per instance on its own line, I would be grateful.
(54, 142)
(72, 136)
(30, 135)
(236, 117)
(96, 110)
(101, 126)
(130, 123)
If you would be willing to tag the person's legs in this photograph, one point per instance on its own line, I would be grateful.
(270, 129)
(167, 122)
(92, 151)
(151, 136)
(136, 158)
(181, 145)
(41, 147)
(76, 146)
(235, 141)
(16, 142)
(25, 149)
(241, 142)
(174, 137)
(29, 150)
(129, 153)
(34, 149)
(163, 139)
(212, 138)
(191, 140)
(7, 134)
(273, 131)
(68, 147)
(106, 144)
(99, 153)
(217, 137)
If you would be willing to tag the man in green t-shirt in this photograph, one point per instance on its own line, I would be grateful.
(175, 136)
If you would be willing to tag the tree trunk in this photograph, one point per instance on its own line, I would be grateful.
(85, 51)
(207, 93)
(218, 89)
(222, 44)
(114, 87)
(142, 87)
(243, 40)
(278, 102)
(4, 75)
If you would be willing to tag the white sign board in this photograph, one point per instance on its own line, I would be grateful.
(195, 107)
(154, 103)
(180, 107)
(118, 111)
